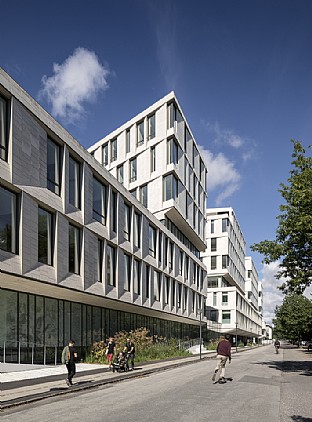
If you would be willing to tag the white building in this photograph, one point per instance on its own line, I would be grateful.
(80, 255)
(229, 303)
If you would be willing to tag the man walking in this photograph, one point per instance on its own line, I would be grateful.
(223, 354)
(131, 351)
(69, 357)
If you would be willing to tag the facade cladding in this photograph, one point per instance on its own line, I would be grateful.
(83, 256)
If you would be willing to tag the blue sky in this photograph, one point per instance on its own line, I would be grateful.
(241, 71)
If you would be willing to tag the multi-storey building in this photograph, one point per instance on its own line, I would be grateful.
(229, 304)
(83, 256)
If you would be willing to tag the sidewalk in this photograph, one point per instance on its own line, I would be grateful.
(21, 384)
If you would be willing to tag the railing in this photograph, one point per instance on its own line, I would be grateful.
(187, 344)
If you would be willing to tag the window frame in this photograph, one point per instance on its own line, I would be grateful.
(54, 184)
(49, 240)
(4, 128)
(74, 165)
(74, 257)
(100, 215)
(11, 226)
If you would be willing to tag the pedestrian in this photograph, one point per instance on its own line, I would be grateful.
(223, 354)
(110, 351)
(277, 345)
(69, 357)
(131, 352)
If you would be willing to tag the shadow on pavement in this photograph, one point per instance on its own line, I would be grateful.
(300, 418)
(305, 367)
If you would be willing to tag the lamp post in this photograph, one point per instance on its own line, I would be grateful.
(200, 334)
(236, 323)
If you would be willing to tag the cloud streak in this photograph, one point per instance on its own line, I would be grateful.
(78, 80)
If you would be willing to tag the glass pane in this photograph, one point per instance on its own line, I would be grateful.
(7, 220)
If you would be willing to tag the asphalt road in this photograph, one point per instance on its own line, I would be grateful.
(266, 387)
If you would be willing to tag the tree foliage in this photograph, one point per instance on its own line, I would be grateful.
(293, 243)
(293, 319)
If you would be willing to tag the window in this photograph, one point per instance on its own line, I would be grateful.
(113, 216)
(127, 141)
(171, 252)
(4, 124)
(213, 263)
(172, 114)
(160, 244)
(153, 159)
(212, 282)
(143, 195)
(127, 225)
(110, 265)
(213, 244)
(187, 264)
(213, 315)
(157, 285)
(212, 226)
(105, 154)
(151, 126)
(133, 170)
(152, 241)
(99, 201)
(113, 144)
(249, 274)
(224, 299)
(225, 261)
(99, 260)
(137, 230)
(45, 237)
(53, 167)
(170, 187)
(133, 192)
(127, 271)
(180, 262)
(147, 281)
(179, 295)
(166, 251)
(173, 295)
(74, 183)
(120, 173)
(185, 297)
(140, 133)
(225, 224)
(187, 137)
(137, 277)
(172, 151)
(214, 299)
(167, 289)
(226, 317)
(74, 249)
(8, 221)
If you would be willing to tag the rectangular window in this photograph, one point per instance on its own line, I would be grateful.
(53, 167)
(120, 173)
(166, 251)
(152, 241)
(185, 298)
(74, 183)
(133, 170)
(213, 263)
(212, 226)
(99, 260)
(224, 299)
(127, 225)
(225, 223)
(147, 281)
(45, 237)
(105, 154)
(170, 187)
(153, 159)
(172, 151)
(99, 201)
(214, 299)
(137, 230)
(180, 262)
(4, 124)
(151, 127)
(157, 285)
(171, 252)
(8, 221)
(249, 274)
(160, 244)
(226, 317)
(213, 244)
(172, 115)
(137, 277)
(213, 315)
(113, 207)
(74, 249)
(212, 282)
(167, 289)
(143, 195)
(179, 295)
(140, 133)
(225, 261)
(113, 144)
(187, 264)
(127, 271)
(173, 295)
(110, 265)
(127, 141)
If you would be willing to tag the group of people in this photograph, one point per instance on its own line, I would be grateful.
(70, 356)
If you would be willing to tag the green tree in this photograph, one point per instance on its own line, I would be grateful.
(293, 243)
(293, 319)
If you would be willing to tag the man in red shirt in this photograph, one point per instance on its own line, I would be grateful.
(223, 354)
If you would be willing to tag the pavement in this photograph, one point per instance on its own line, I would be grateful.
(21, 384)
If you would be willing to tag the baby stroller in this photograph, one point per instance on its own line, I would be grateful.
(121, 363)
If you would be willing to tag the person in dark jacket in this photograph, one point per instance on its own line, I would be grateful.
(223, 354)
(131, 352)
(69, 357)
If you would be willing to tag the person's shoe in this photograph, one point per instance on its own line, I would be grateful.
(68, 382)
(222, 380)
(214, 376)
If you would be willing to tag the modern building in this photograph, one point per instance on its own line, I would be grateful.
(90, 245)
(232, 295)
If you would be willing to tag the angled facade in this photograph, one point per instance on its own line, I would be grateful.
(93, 242)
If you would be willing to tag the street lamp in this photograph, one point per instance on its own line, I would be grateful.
(236, 323)
(200, 334)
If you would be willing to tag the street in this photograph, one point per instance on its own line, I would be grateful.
(266, 387)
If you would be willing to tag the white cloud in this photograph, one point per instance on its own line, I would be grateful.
(225, 136)
(76, 81)
(222, 175)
